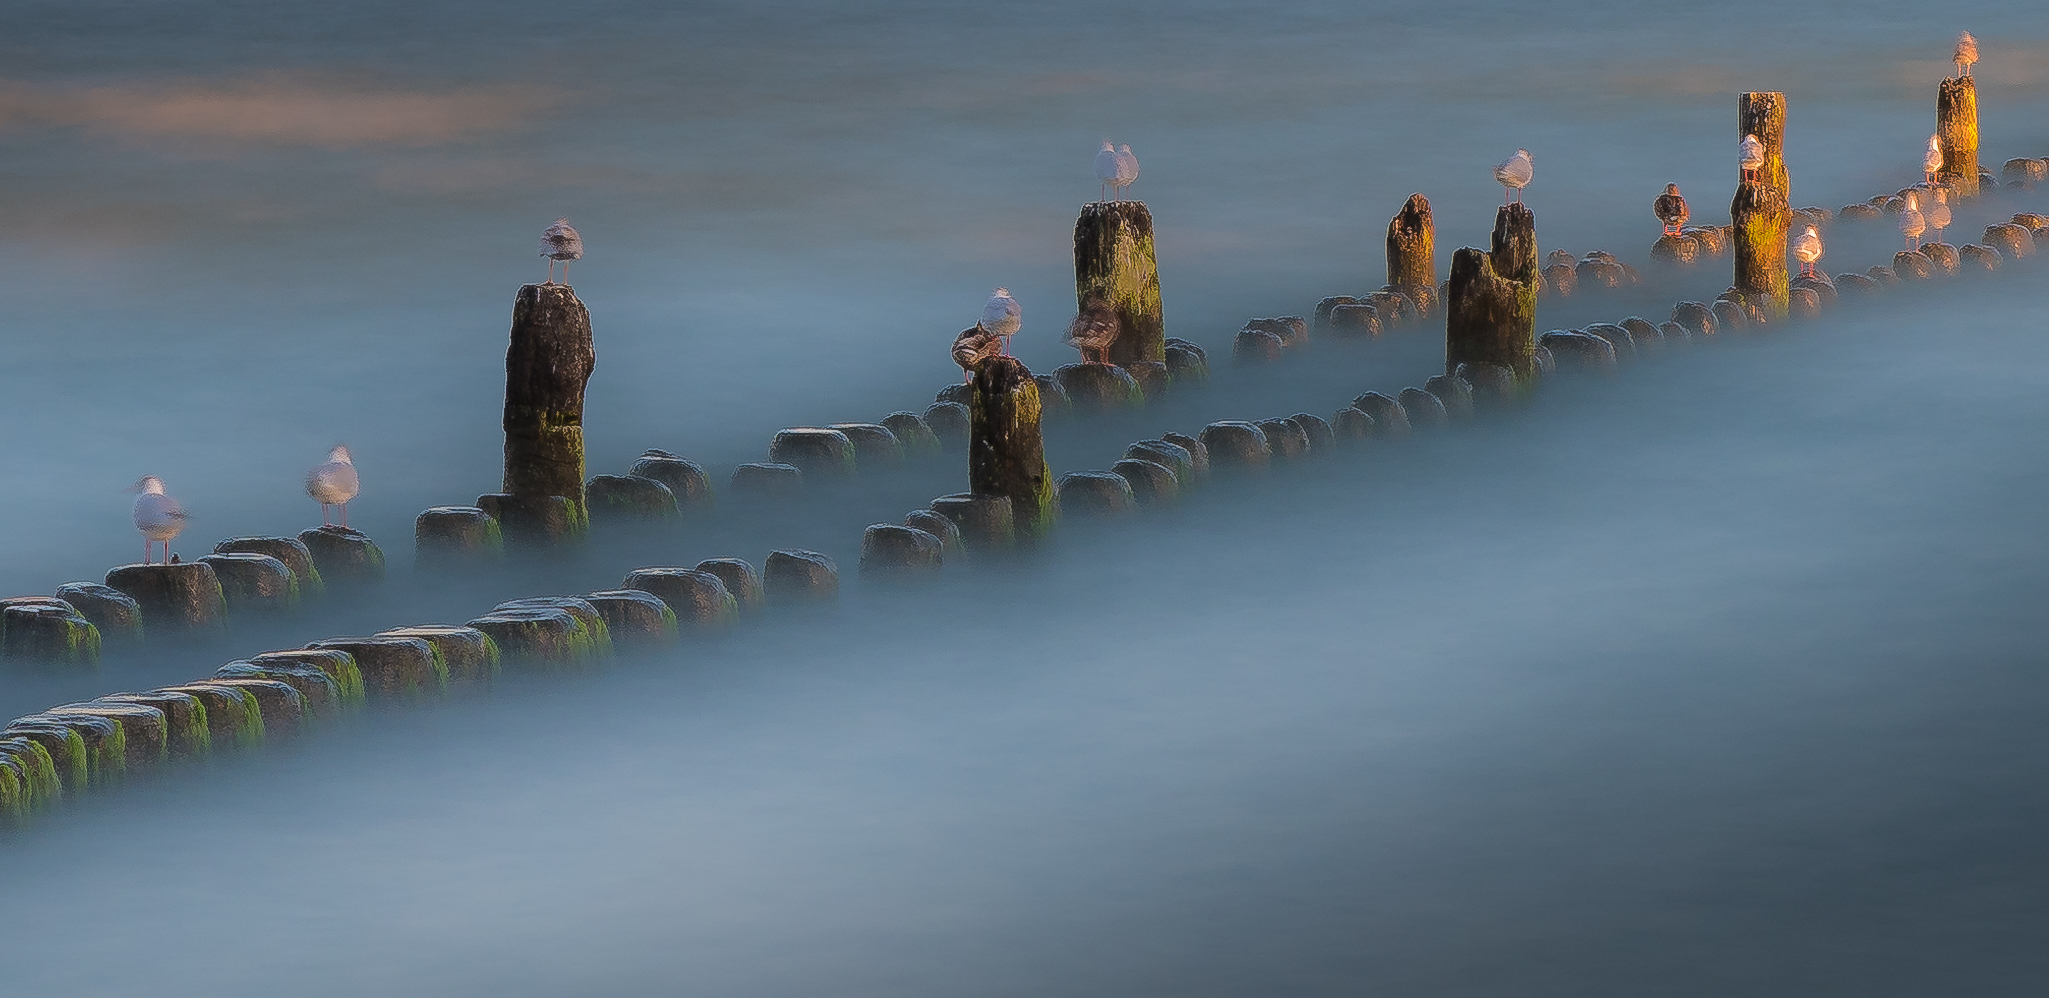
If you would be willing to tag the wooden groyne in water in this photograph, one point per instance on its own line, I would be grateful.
(1493, 359)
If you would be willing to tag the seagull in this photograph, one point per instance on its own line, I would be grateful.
(973, 346)
(1932, 161)
(1106, 171)
(1671, 209)
(1912, 224)
(1515, 174)
(1937, 214)
(1001, 318)
(1751, 155)
(561, 242)
(1127, 169)
(1094, 330)
(157, 515)
(1807, 248)
(334, 484)
(1966, 53)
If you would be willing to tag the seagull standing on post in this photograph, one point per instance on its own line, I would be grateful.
(561, 242)
(1106, 171)
(1807, 248)
(1912, 224)
(1001, 318)
(1127, 169)
(1931, 161)
(334, 484)
(1966, 53)
(157, 515)
(1671, 209)
(1514, 174)
(1937, 215)
(1751, 155)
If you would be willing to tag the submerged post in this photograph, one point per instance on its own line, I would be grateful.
(1491, 304)
(1113, 257)
(1956, 130)
(546, 367)
(1412, 255)
(1762, 210)
(1006, 456)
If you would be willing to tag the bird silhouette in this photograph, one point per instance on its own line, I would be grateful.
(1931, 161)
(1966, 53)
(1671, 209)
(1093, 330)
(1514, 174)
(1751, 156)
(334, 483)
(1912, 224)
(1127, 170)
(561, 242)
(157, 515)
(1807, 248)
(1106, 171)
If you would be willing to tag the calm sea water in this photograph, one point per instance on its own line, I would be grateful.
(1723, 676)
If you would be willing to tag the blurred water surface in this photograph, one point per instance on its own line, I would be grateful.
(1722, 676)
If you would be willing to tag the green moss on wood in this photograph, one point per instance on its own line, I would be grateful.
(1114, 258)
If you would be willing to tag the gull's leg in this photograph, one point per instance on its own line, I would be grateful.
(565, 272)
(345, 515)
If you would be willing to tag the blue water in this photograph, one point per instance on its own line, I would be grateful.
(1720, 676)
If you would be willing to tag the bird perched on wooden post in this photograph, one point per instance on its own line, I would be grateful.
(1807, 248)
(1671, 209)
(1106, 171)
(1966, 53)
(334, 484)
(1093, 330)
(1751, 156)
(1931, 161)
(1127, 170)
(972, 346)
(561, 242)
(157, 515)
(1001, 318)
(1514, 174)
(1937, 215)
(1912, 224)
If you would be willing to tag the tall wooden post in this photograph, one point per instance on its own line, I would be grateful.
(1006, 455)
(1491, 304)
(1412, 254)
(1956, 130)
(1762, 209)
(1113, 257)
(546, 367)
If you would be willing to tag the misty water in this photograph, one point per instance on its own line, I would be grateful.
(1724, 675)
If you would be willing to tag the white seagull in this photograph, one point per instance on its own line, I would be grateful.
(1001, 318)
(561, 242)
(334, 484)
(1966, 53)
(1807, 249)
(1931, 162)
(1515, 173)
(1106, 171)
(157, 515)
(1937, 215)
(1751, 156)
(1127, 169)
(1912, 224)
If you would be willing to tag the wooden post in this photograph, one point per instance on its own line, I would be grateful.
(546, 367)
(1956, 129)
(1412, 255)
(1113, 257)
(1762, 210)
(1491, 304)
(1006, 455)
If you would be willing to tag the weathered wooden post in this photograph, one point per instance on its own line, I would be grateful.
(1412, 255)
(1762, 210)
(1113, 257)
(546, 367)
(1006, 456)
(1491, 302)
(1956, 130)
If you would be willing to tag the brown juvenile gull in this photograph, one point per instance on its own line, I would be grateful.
(1807, 248)
(334, 484)
(973, 346)
(157, 515)
(1671, 209)
(561, 242)
(1966, 53)
(1514, 174)
(1751, 156)
(1093, 330)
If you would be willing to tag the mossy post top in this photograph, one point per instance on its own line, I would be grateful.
(1412, 246)
(1113, 258)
